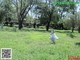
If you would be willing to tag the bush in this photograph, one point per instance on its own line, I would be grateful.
(15, 28)
(42, 27)
(67, 24)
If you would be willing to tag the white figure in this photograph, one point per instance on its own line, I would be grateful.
(53, 37)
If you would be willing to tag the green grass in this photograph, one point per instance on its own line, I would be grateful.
(35, 45)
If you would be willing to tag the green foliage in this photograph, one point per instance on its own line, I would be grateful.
(67, 23)
(7, 6)
(6, 9)
(29, 19)
(2, 26)
(44, 10)
(2, 14)
(42, 27)
(14, 28)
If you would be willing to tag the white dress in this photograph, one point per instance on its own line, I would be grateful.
(53, 37)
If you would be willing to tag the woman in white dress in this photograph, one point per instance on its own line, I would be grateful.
(53, 37)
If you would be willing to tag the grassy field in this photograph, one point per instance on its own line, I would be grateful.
(29, 44)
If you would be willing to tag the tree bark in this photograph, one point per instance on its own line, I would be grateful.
(48, 23)
(73, 25)
(34, 25)
(47, 27)
(73, 28)
(20, 21)
(20, 24)
(79, 29)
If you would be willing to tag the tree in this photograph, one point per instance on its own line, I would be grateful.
(22, 9)
(70, 8)
(46, 13)
(5, 9)
(2, 12)
(78, 20)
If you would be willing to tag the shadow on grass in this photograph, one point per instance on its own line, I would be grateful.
(78, 43)
(67, 32)
(63, 31)
(12, 29)
(38, 30)
(71, 35)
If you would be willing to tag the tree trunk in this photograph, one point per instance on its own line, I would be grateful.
(72, 28)
(48, 23)
(73, 25)
(11, 24)
(47, 27)
(34, 25)
(20, 24)
(79, 29)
